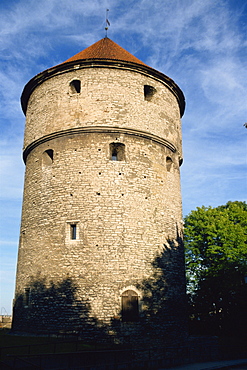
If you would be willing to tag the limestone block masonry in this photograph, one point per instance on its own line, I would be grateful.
(101, 251)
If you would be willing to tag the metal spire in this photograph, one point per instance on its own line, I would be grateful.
(107, 23)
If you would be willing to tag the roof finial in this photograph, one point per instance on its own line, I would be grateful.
(107, 23)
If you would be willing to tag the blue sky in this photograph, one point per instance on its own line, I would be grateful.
(200, 44)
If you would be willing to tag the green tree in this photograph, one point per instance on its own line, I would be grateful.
(216, 266)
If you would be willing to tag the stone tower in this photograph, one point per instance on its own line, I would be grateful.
(100, 250)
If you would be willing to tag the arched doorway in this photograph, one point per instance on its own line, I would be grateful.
(130, 306)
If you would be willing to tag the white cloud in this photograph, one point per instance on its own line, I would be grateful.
(223, 83)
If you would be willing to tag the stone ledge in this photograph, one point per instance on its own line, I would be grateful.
(98, 129)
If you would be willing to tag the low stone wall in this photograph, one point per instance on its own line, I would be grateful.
(5, 321)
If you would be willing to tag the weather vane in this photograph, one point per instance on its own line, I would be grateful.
(107, 23)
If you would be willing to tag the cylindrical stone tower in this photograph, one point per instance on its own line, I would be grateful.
(100, 250)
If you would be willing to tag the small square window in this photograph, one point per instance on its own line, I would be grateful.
(47, 157)
(117, 152)
(149, 92)
(75, 86)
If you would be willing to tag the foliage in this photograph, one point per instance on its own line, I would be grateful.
(216, 264)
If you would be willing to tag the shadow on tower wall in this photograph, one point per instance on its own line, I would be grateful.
(53, 308)
(163, 315)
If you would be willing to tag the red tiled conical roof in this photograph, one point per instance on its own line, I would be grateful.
(105, 49)
(106, 52)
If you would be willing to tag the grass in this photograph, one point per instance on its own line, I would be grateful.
(22, 345)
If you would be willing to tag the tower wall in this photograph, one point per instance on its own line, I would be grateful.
(126, 212)
(109, 97)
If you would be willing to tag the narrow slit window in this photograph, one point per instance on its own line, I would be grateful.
(117, 152)
(73, 231)
(75, 86)
(26, 299)
(114, 155)
(149, 92)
